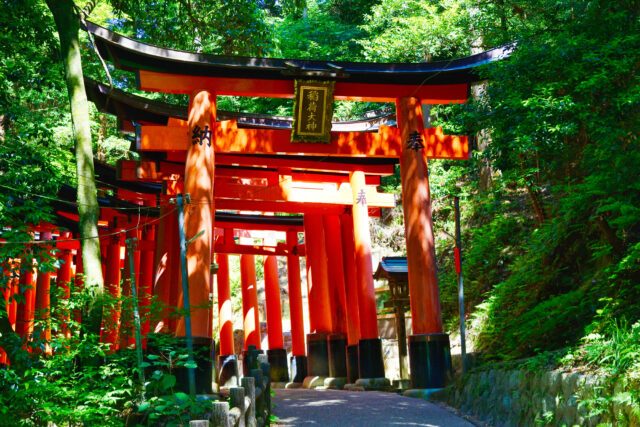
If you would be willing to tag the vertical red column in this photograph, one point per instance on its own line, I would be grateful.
(429, 359)
(362, 239)
(165, 262)
(25, 310)
(111, 316)
(225, 313)
(43, 300)
(353, 308)
(127, 335)
(319, 298)
(295, 297)
(274, 307)
(199, 214)
(370, 346)
(146, 278)
(63, 282)
(78, 284)
(421, 255)
(299, 358)
(251, 322)
(333, 241)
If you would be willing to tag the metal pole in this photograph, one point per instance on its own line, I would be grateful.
(458, 260)
(131, 243)
(185, 290)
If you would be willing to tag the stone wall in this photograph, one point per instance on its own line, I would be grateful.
(524, 398)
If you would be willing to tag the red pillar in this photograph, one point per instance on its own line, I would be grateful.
(43, 300)
(127, 334)
(362, 239)
(295, 298)
(333, 241)
(111, 316)
(250, 312)
(199, 215)
(78, 284)
(318, 281)
(225, 312)
(146, 278)
(63, 282)
(350, 274)
(165, 262)
(274, 307)
(421, 255)
(25, 309)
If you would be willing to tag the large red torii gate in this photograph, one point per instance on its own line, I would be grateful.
(203, 77)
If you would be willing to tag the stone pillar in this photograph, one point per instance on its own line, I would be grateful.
(227, 360)
(428, 350)
(298, 357)
(319, 301)
(111, 316)
(353, 310)
(370, 346)
(337, 344)
(276, 353)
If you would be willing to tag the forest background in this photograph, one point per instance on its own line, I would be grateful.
(550, 197)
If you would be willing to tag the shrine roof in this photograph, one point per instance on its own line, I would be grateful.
(132, 55)
(139, 109)
(392, 268)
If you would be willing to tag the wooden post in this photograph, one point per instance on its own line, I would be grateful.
(111, 316)
(146, 278)
(236, 397)
(165, 262)
(198, 183)
(350, 275)
(274, 308)
(249, 301)
(295, 297)
(333, 241)
(319, 300)
(249, 385)
(362, 239)
(224, 306)
(43, 300)
(421, 255)
(370, 362)
(220, 414)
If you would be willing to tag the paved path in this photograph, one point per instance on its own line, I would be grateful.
(298, 407)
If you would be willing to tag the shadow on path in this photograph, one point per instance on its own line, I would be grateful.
(298, 407)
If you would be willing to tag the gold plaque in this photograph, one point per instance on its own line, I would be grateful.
(312, 111)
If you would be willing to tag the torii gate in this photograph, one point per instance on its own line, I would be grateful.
(203, 77)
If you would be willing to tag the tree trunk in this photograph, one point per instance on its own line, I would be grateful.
(68, 26)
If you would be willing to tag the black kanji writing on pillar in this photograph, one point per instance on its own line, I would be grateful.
(201, 135)
(362, 198)
(347, 210)
(415, 141)
(295, 250)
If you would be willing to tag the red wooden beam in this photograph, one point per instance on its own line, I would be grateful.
(280, 250)
(387, 142)
(153, 81)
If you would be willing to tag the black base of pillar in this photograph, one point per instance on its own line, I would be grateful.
(317, 355)
(370, 363)
(246, 362)
(228, 371)
(278, 361)
(337, 348)
(298, 368)
(203, 350)
(352, 363)
(429, 360)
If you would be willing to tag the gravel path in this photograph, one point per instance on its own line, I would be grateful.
(297, 407)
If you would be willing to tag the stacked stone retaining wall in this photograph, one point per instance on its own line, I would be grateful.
(524, 398)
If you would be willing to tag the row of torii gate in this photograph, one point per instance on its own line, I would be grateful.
(248, 163)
